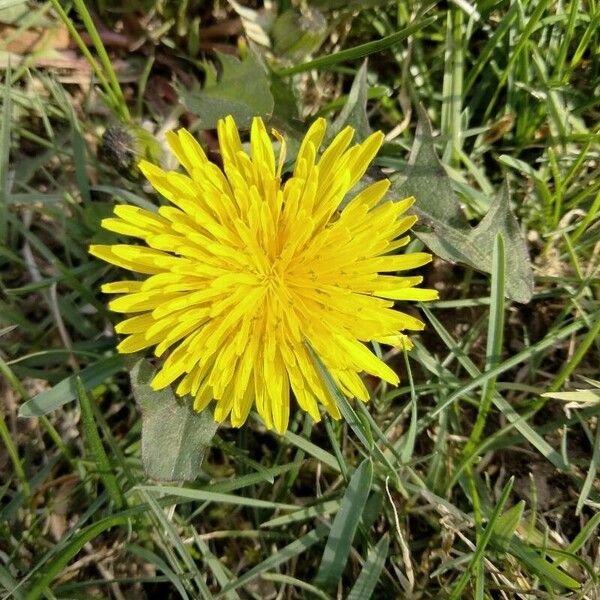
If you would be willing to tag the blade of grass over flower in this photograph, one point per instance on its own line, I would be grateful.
(370, 573)
(66, 390)
(343, 529)
(360, 426)
(336, 448)
(361, 51)
(283, 555)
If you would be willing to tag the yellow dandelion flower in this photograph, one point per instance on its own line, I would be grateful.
(249, 277)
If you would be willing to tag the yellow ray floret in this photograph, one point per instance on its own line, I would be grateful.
(249, 278)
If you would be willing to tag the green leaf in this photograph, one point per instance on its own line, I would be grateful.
(450, 236)
(174, 436)
(506, 524)
(482, 543)
(354, 112)
(66, 390)
(151, 558)
(327, 61)
(53, 569)
(540, 566)
(242, 91)
(286, 114)
(296, 35)
(210, 496)
(280, 556)
(369, 575)
(98, 453)
(345, 524)
(5, 126)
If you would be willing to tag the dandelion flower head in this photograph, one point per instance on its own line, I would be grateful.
(252, 280)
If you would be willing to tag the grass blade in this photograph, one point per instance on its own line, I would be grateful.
(105, 469)
(361, 51)
(343, 529)
(5, 153)
(369, 575)
(53, 569)
(483, 542)
(285, 554)
(66, 391)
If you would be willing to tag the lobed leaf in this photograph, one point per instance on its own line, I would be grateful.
(449, 234)
(242, 91)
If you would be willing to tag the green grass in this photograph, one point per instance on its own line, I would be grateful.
(466, 481)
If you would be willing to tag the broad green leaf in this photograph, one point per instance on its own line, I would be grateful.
(354, 112)
(242, 91)
(343, 529)
(66, 390)
(506, 524)
(449, 235)
(369, 575)
(174, 435)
